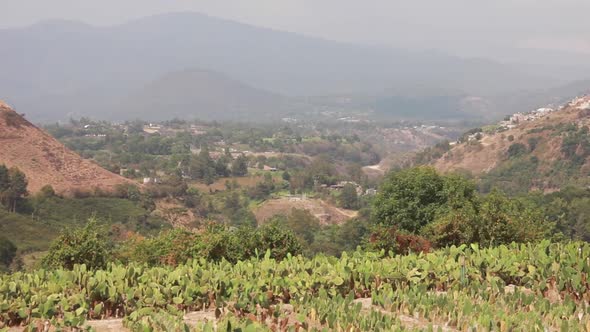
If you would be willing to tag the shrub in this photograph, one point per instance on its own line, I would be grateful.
(516, 150)
(412, 198)
(391, 240)
(7, 253)
(216, 243)
(280, 241)
(88, 245)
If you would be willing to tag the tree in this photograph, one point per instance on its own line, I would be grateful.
(7, 253)
(504, 220)
(286, 176)
(221, 167)
(453, 228)
(349, 197)
(412, 198)
(203, 167)
(239, 166)
(4, 185)
(496, 219)
(13, 187)
(89, 245)
(355, 171)
(279, 241)
(303, 224)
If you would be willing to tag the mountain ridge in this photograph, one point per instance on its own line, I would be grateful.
(69, 64)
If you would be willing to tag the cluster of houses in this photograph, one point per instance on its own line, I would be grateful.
(582, 103)
(154, 128)
(515, 119)
(359, 189)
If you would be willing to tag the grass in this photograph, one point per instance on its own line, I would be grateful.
(34, 230)
(25, 232)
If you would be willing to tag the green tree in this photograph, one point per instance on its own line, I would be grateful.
(280, 241)
(455, 227)
(303, 224)
(239, 166)
(13, 187)
(349, 197)
(286, 176)
(203, 167)
(89, 245)
(412, 198)
(7, 253)
(4, 185)
(221, 167)
(503, 220)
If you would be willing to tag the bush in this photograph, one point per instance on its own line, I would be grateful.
(280, 241)
(392, 241)
(412, 198)
(218, 242)
(88, 245)
(7, 253)
(516, 150)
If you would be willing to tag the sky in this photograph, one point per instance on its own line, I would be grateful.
(461, 27)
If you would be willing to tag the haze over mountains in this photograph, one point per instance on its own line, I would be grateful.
(191, 65)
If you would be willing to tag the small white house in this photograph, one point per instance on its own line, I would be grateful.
(151, 180)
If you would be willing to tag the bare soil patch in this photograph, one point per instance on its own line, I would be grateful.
(327, 214)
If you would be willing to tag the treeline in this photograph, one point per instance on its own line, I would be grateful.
(92, 245)
(415, 210)
(298, 232)
(435, 210)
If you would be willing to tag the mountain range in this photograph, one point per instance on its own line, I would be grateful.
(58, 69)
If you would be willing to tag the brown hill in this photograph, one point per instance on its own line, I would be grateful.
(45, 161)
(543, 150)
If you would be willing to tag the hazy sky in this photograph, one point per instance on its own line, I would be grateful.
(469, 27)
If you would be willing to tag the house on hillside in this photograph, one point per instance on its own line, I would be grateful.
(340, 185)
(151, 181)
(269, 169)
(371, 192)
(152, 129)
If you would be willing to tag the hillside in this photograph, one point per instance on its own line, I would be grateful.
(544, 149)
(57, 66)
(45, 161)
(204, 95)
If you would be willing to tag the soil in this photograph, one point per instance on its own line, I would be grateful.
(45, 161)
(325, 212)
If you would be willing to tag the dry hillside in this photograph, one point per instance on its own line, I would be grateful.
(45, 161)
(552, 147)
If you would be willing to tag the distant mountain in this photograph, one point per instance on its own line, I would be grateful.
(203, 95)
(543, 151)
(57, 69)
(455, 105)
(45, 161)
